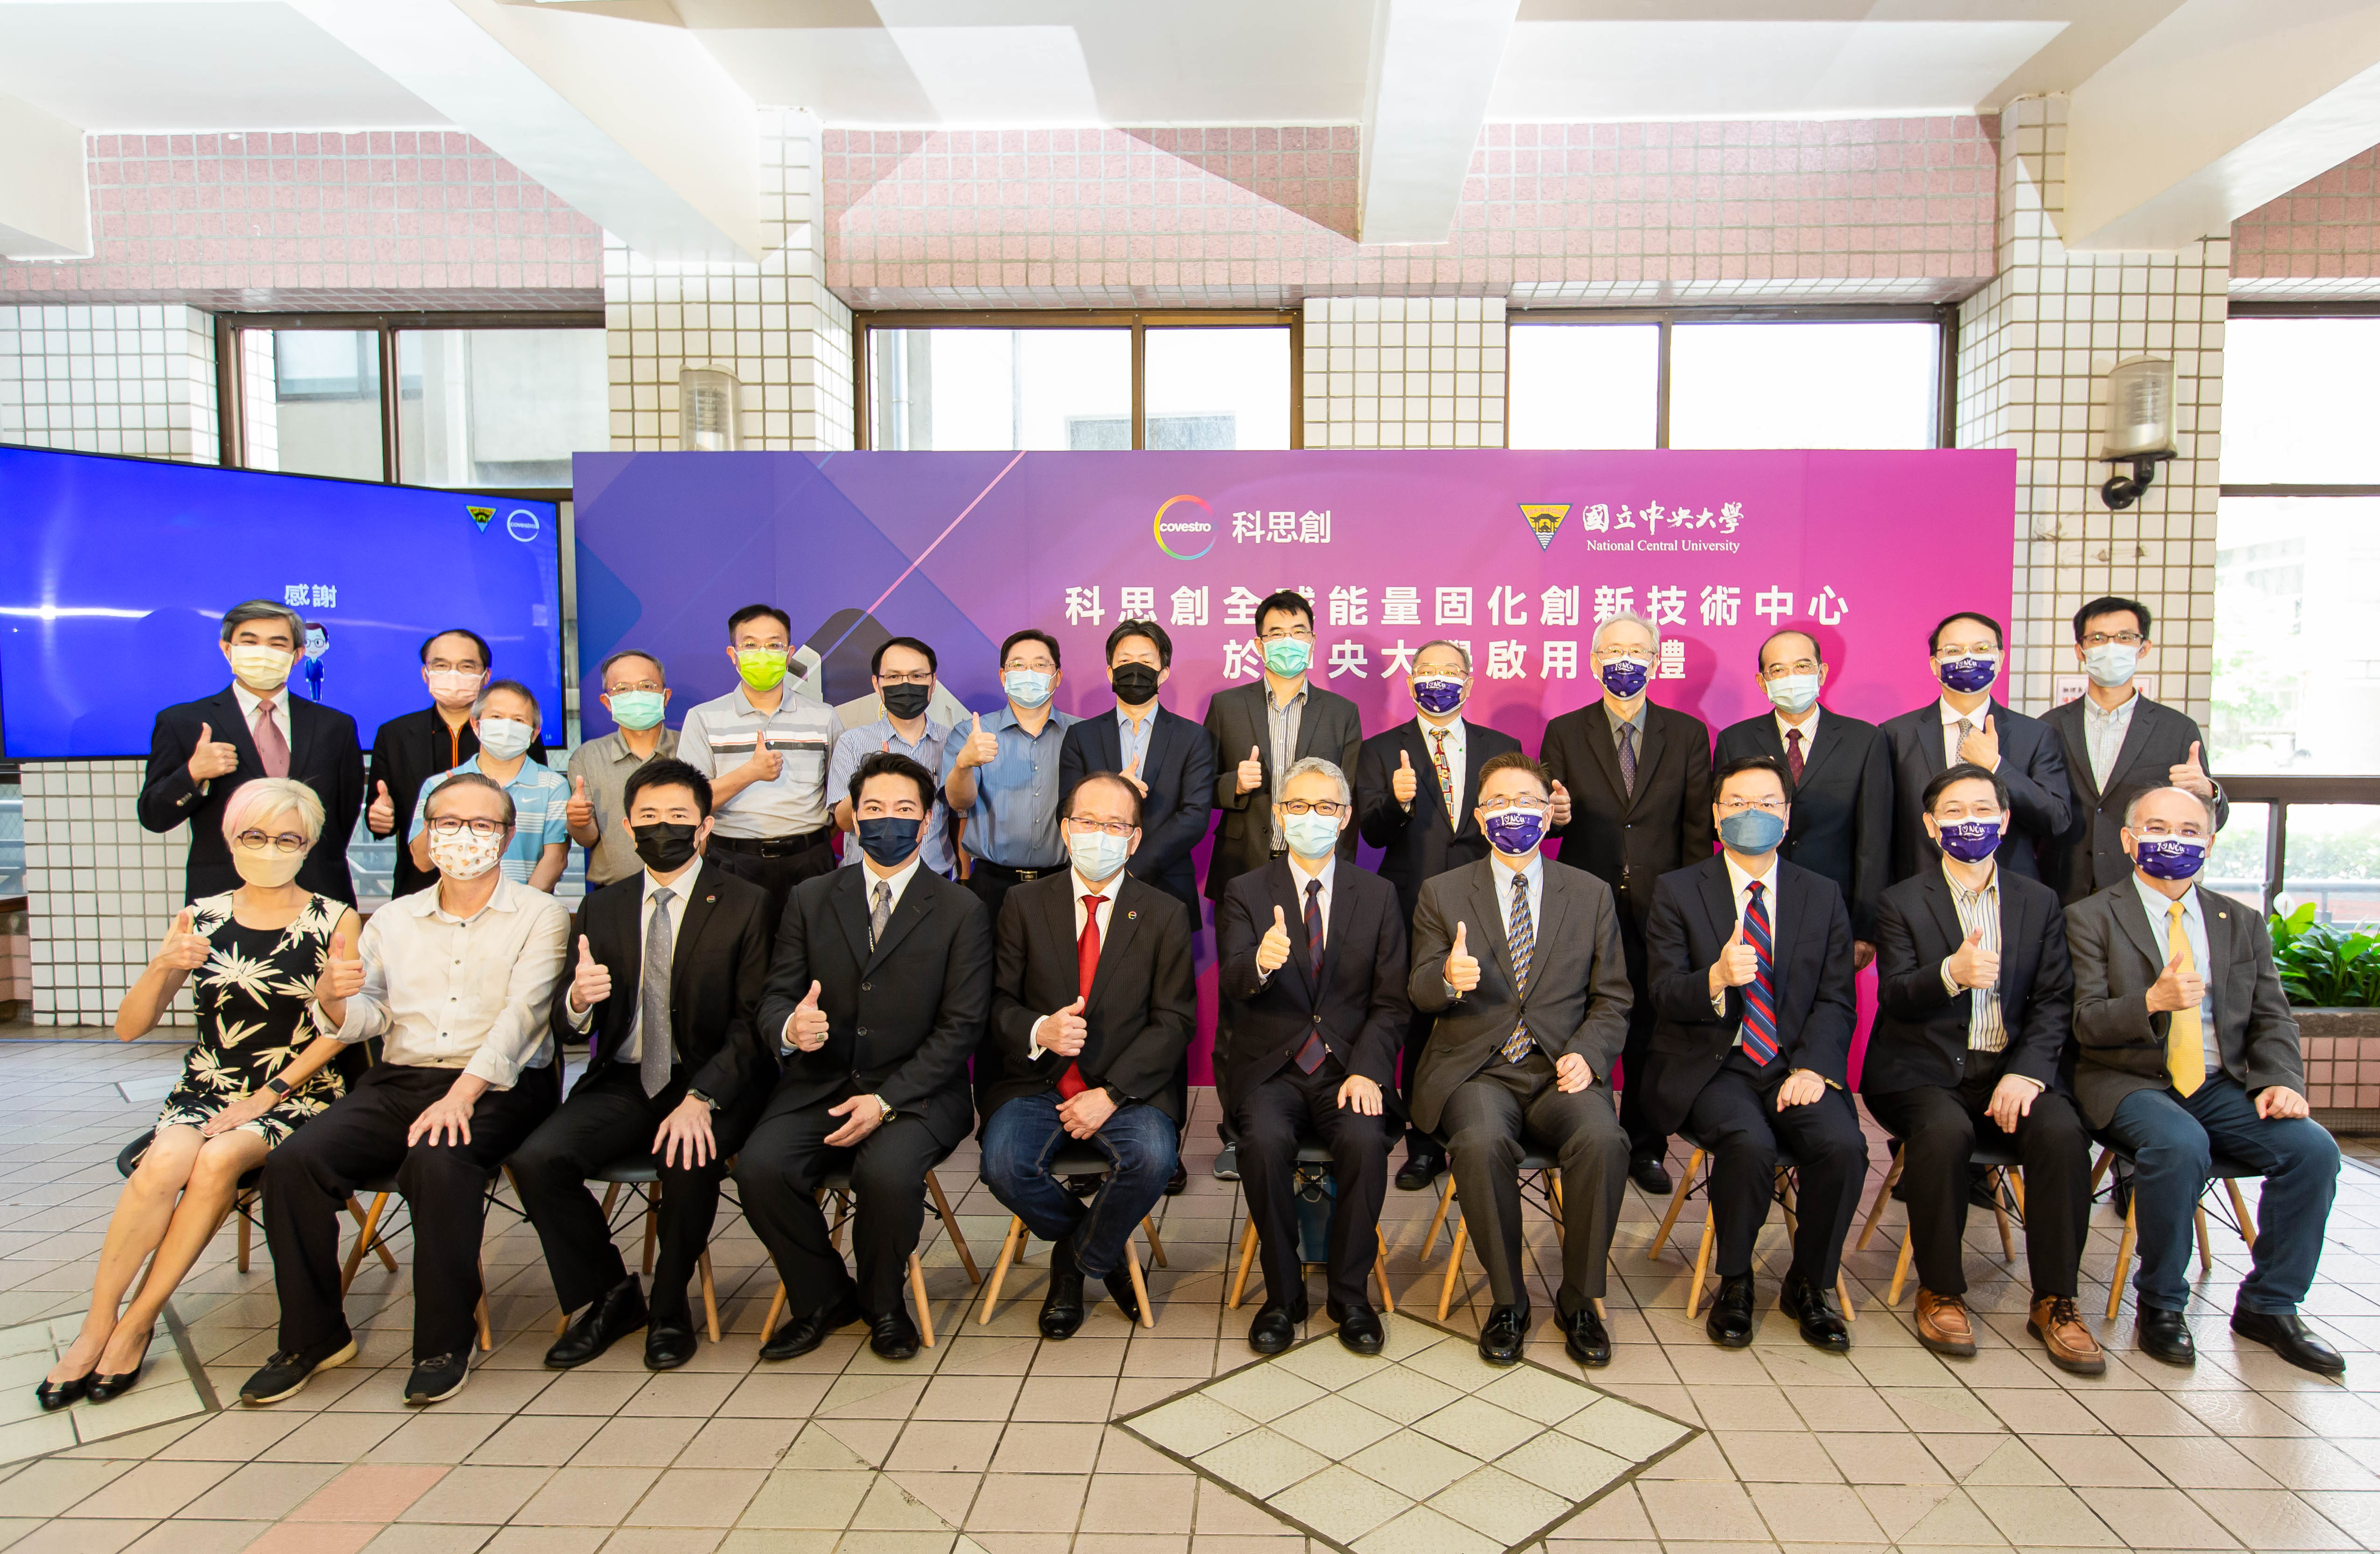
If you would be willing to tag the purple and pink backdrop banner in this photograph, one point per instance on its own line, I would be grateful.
(1514, 553)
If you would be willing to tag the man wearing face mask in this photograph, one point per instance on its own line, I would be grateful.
(1415, 791)
(1000, 775)
(667, 969)
(200, 752)
(877, 997)
(1163, 754)
(414, 747)
(1752, 975)
(2185, 1051)
(1631, 803)
(1966, 726)
(505, 718)
(902, 671)
(636, 694)
(765, 750)
(2118, 742)
(1842, 774)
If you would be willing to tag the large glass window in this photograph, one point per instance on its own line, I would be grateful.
(316, 408)
(2299, 401)
(503, 407)
(1584, 385)
(1216, 388)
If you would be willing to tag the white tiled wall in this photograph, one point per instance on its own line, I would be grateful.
(1404, 372)
(101, 889)
(129, 378)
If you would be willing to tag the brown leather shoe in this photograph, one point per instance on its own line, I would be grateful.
(1943, 1325)
(2069, 1339)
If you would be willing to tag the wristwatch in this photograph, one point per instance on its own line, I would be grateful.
(889, 1112)
(693, 1094)
(277, 1085)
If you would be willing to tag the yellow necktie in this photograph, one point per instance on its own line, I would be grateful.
(2185, 1051)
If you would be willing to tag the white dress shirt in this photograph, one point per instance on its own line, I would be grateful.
(2159, 907)
(1295, 924)
(1454, 752)
(1979, 911)
(248, 702)
(899, 882)
(1808, 726)
(1534, 872)
(1951, 718)
(2103, 735)
(679, 888)
(1084, 890)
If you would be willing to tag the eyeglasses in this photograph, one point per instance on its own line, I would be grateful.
(2112, 639)
(1312, 806)
(1042, 665)
(2187, 830)
(1113, 828)
(1273, 634)
(285, 843)
(1975, 651)
(913, 677)
(1526, 806)
(1779, 671)
(480, 829)
(1737, 805)
(639, 686)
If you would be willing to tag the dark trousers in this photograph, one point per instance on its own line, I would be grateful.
(610, 1121)
(1486, 1122)
(778, 875)
(1418, 1145)
(1937, 1126)
(1736, 1116)
(1023, 1138)
(785, 1163)
(1271, 1120)
(360, 1137)
(990, 882)
(2173, 1139)
(1645, 1142)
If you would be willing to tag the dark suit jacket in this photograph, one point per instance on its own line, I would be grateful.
(1920, 1035)
(2119, 1045)
(1630, 841)
(903, 1018)
(2090, 856)
(1577, 998)
(406, 751)
(715, 981)
(1842, 806)
(1180, 772)
(1143, 1007)
(2031, 764)
(1418, 845)
(323, 755)
(1693, 917)
(1358, 1004)
(1328, 726)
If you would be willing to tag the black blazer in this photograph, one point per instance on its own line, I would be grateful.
(2031, 764)
(1842, 806)
(715, 981)
(1144, 1001)
(1629, 842)
(323, 755)
(1358, 1005)
(903, 1018)
(2090, 856)
(1416, 844)
(1920, 1035)
(406, 751)
(1694, 916)
(1328, 726)
(1180, 772)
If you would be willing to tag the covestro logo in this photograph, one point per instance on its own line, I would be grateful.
(1194, 533)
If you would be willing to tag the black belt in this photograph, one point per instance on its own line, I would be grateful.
(1015, 875)
(770, 846)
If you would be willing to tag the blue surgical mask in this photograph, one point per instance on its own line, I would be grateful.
(504, 738)
(2110, 663)
(1288, 656)
(1310, 836)
(2169, 857)
(1970, 841)
(1752, 831)
(1027, 687)
(1098, 855)
(1515, 832)
(1968, 675)
(1794, 694)
(889, 839)
(1437, 695)
(636, 710)
(1625, 677)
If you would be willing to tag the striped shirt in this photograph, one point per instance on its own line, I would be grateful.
(540, 814)
(1987, 1031)
(719, 735)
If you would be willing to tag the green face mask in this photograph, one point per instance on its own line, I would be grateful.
(764, 667)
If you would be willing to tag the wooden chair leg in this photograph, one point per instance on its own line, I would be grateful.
(1381, 1271)
(1454, 1268)
(244, 1203)
(1883, 1197)
(1702, 1266)
(1156, 1248)
(1997, 1177)
(1843, 1297)
(1789, 1197)
(1562, 1216)
(2123, 1255)
(611, 1197)
(776, 1309)
(710, 1298)
(1008, 1246)
(1139, 1287)
(2099, 1168)
(487, 1332)
(652, 1223)
(561, 1323)
(1247, 1257)
(1677, 1202)
(951, 1229)
(917, 1294)
(1437, 1221)
(366, 1236)
(1900, 1270)
(2014, 1177)
(2206, 1242)
(2238, 1208)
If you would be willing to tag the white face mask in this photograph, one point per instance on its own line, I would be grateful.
(504, 737)
(1097, 856)
(261, 670)
(2110, 663)
(267, 870)
(1792, 693)
(452, 685)
(465, 856)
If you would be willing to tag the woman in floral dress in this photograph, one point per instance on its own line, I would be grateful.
(253, 957)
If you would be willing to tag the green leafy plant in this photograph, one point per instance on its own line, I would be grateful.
(2323, 965)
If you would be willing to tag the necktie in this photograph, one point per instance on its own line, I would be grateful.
(1310, 1055)
(653, 1065)
(1523, 936)
(2185, 1049)
(1628, 758)
(1445, 774)
(270, 747)
(881, 913)
(1793, 752)
(1760, 997)
(1964, 728)
(1086, 966)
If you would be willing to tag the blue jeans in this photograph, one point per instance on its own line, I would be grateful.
(1021, 1139)
(2173, 1139)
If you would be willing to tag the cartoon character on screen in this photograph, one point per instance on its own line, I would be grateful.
(318, 642)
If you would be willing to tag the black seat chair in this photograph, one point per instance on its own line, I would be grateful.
(1314, 1159)
(1540, 1179)
(2227, 1171)
(2003, 1173)
(1074, 1160)
(244, 1198)
(1696, 1179)
(643, 1173)
(838, 1184)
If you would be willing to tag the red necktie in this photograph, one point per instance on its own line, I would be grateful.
(1086, 966)
(1793, 752)
(272, 749)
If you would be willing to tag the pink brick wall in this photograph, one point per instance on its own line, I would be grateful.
(2316, 240)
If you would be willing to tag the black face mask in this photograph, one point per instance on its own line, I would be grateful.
(889, 839)
(665, 846)
(1134, 684)
(906, 701)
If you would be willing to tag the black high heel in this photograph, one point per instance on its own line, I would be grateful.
(56, 1395)
(103, 1387)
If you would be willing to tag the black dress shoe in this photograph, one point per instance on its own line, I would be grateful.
(610, 1316)
(1730, 1322)
(2285, 1333)
(892, 1336)
(53, 1396)
(1651, 1175)
(103, 1387)
(2163, 1335)
(1421, 1169)
(1585, 1336)
(287, 1371)
(802, 1334)
(1179, 1180)
(437, 1378)
(1500, 1336)
(1275, 1329)
(1359, 1330)
(1062, 1308)
(1120, 1290)
(668, 1345)
(1822, 1326)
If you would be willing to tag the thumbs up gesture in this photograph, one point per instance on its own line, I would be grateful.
(381, 818)
(1559, 813)
(343, 975)
(579, 812)
(1132, 775)
(2191, 775)
(1064, 1031)
(590, 983)
(1272, 951)
(1251, 770)
(1972, 966)
(1981, 746)
(1737, 965)
(981, 748)
(1404, 784)
(1461, 965)
(2179, 987)
(182, 950)
(213, 757)
(806, 1028)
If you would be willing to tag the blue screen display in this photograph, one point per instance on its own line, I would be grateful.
(114, 574)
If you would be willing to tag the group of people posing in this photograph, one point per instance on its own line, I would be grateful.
(1005, 946)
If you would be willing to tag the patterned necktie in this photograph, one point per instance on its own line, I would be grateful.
(653, 1065)
(1628, 758)
(2185, 1049)
(1445, 772)
(1793, 752)
(272, 749)
(1086, 968)
(1964, 728)
(1310, 1055)
(1523, 936)
(1760, 997)
(881, 913)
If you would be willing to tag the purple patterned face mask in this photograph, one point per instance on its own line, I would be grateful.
(1625, 677)
(1969, 675)
(1516, 831)
(1970, 841)
(2169, 857)
(1437, 695)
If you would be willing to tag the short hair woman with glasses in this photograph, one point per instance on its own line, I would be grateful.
(252, 958)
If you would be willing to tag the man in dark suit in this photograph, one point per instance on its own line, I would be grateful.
(673, 1068)
(1094, 1005)
(877, 997)
(1166, 756)
(1415, 788)
(2117, 743)
(1976, 1000)
(1967, 725)
(1259, 729)
(1522, 968)
(1631, 802)
(1752, 974)
(1323, 1008)
(414, 747)
(1842, 777)
(2186, 1051)
(201, 751)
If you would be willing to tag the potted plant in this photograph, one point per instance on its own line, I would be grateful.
(2331, 974)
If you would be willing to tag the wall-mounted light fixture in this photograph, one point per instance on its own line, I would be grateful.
(2140, 426)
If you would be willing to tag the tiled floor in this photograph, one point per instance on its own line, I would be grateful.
(996, 1442)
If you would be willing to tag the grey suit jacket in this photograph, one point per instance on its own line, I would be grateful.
(1577, 998)
(2121, 1046)
(2090, 856)
(1328, 726)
